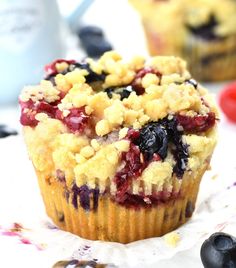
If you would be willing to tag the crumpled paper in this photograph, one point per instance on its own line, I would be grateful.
(39, 243)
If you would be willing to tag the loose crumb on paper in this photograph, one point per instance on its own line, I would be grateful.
(172, 239)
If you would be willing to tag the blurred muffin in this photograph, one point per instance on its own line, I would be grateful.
(119, 147)
(203, 32)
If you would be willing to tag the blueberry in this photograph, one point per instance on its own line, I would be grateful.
(84, 193)
(192, 82)
(219, 251)
(90, 31)
(95, 48)
(180, 150)
(5, 131)
(205, 31)
(124, 92)
(153, 139)
(92, 76)
(93, 41)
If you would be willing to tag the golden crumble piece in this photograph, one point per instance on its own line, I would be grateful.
(45, 91)
(95, 144)
(87, 151)
(60, 67)
(123, 132)
(102, 127)
(172, 239)
(115, 113)
(122, 146)
(150, 79)
(102, 166)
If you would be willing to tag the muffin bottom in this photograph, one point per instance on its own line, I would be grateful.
(117, 223)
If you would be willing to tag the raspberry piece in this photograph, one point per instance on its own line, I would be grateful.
(136, 83)
(76, 121)
(199, 123)
(50, 68)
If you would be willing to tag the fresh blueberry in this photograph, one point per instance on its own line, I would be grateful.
(5, 131)
(90, 31)
(95, 48)
(93, 41)
(219, 251)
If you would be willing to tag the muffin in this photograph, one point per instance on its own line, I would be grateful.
(119, 146)
(203, 32)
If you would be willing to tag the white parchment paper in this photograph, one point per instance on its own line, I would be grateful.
(41, 244)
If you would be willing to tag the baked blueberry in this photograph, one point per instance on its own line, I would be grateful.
(124, 92)
(205, 31)
(96, 47)
(153, 139)
(6, 131)
(192, 82)
(219, 251)
(93, 41)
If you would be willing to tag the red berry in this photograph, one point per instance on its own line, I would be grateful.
(133, 169)
(76, 121)
(198, 123)
(51, 67)
(136, 83)
(29, 110)
(227, 101)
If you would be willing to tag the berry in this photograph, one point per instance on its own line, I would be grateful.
(132, 170)
(198, 123)
(84, 194)
(124, 92)
(93, 41)
(90, 31)
(77, 120)
(29, 110)
(5, 131)
(205, 31)
(152, 140)
(180, 150)
(219, 251)
(136, 83)
(91, 77)
(227, 101)
(95, 48)
(192, 82)
(50, 68)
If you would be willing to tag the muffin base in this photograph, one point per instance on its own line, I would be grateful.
(117, 223)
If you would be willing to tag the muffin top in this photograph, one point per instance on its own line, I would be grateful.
(207, 19)
(130, 125)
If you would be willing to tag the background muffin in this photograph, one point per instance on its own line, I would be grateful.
(203, 32)
(119, 147)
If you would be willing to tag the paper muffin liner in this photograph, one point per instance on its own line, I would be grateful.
(213, 60)
(114, 222)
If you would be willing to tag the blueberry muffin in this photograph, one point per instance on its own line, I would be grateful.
(203, 32)
(119, 146)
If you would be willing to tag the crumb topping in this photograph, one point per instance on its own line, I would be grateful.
(132, 126)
